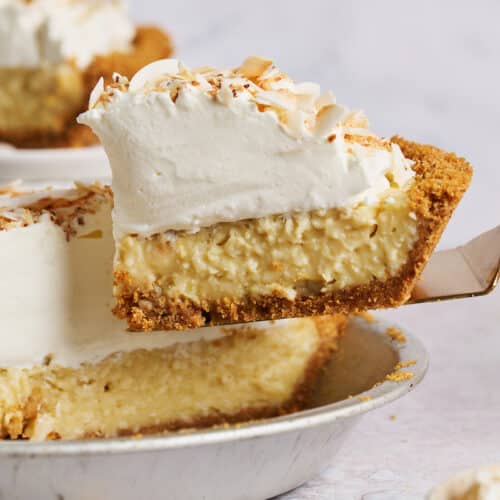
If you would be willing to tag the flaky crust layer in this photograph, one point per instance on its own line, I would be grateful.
(440, 181)
(150, 43)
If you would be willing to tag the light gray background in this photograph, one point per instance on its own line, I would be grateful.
(429, 70)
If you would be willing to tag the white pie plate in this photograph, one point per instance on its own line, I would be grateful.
(253, 461)
(63, 164)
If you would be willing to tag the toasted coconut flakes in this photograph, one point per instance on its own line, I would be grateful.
(325, 100)
(308, 88)
(96, 93)
(254, 66)
(65, 211)
(300, 107)
(11, 189)
(327, 118)
(279, 99)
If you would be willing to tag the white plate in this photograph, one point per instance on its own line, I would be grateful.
(63, 164)
(253, 461)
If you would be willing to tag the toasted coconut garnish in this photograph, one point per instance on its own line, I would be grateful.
(253, 67)
(300, 107)
(64, 208)
(11, 189)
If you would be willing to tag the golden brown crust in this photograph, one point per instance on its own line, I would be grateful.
(150, 44)
(440, 181)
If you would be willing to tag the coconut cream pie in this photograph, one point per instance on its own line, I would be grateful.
(70, 370)
(52, 53)
(242, 195)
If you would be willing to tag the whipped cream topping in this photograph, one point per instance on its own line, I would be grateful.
(56, 292)
(36, 32)
(192, 147)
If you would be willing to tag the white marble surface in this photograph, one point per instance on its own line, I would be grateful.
(429, 70)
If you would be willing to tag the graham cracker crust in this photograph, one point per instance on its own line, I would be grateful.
(441, 179)
(150, 43)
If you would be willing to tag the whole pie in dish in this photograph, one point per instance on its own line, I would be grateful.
(242, 195)
(52, 53)
(70, 370)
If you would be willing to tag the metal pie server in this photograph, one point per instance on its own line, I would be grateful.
(469, 270)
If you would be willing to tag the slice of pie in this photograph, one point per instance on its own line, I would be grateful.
(52, 53)
(241, 195)
(70, 370)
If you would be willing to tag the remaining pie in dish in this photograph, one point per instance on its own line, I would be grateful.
(241, 195)
(52, 53)
(70, 370)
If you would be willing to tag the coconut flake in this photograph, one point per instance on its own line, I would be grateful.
(327, 118)
(308, 88)
(254, 67)
(325, 99)
(97, 91)
(279, 99)
(153, 71)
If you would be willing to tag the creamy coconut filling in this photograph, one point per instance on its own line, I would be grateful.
(191, 148)
(38, 32)
(301, 254)
(247, 375)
